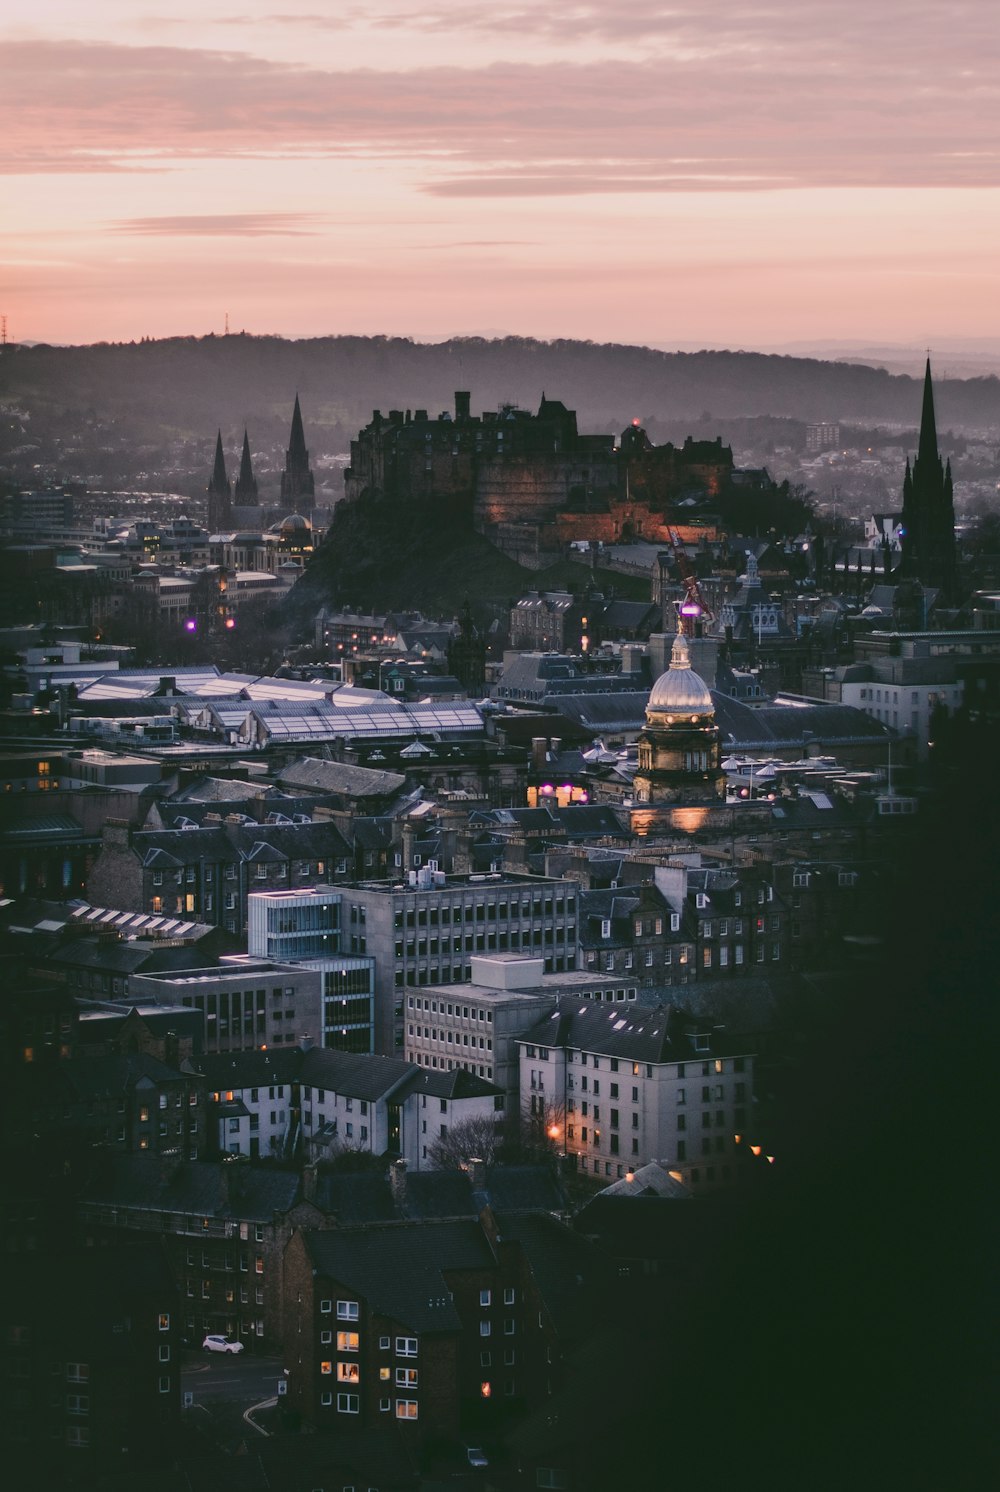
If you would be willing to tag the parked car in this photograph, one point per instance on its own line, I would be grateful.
(476, 1456)
(221, 1344)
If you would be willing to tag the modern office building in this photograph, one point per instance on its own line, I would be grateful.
(245, 1002)
(303, 928)
(425, 930)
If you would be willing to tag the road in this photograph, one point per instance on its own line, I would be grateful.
(222, 1376)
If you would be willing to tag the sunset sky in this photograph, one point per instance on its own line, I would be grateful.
(730, 175)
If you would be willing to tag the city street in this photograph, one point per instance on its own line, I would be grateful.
(241, 1379)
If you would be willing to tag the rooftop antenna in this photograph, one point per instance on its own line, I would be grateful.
(3, 330)
(227, 324)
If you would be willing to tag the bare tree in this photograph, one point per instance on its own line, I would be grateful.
(477, 1138)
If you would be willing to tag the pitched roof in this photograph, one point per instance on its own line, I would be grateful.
(198, 1188)
(341, 778)
(639, 1033)
(401, 1271)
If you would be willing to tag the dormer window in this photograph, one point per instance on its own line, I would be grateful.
(606, 927)
(701, 900)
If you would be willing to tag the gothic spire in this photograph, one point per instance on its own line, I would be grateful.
(245, 491)
(219, 485)
(298, 485)
(928, 446)
(297, 440)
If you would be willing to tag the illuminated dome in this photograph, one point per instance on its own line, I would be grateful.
(295, 523)
(680, 691)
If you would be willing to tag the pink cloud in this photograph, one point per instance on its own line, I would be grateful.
(224, 225)
(659, 124)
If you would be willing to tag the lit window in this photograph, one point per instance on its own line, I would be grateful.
(406, 1408)
(348, 1341)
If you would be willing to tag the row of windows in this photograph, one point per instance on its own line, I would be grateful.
(350, 1341)
(351, 1404)
(281, 871)
(451, 1038)
(480, 942)
(464, 1012)
(480, 911)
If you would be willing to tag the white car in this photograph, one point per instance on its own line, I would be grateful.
(476, 1455)
(221, 1344)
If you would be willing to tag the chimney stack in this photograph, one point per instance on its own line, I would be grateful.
(462, 405)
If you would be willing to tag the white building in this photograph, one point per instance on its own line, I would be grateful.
(623, 1087)
(475, 1028)
(321, 1103)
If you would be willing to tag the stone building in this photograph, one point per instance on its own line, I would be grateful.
(679, 749)
(647, 1083)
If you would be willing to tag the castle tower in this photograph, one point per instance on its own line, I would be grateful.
(220, 513)
(680, 746)
(245, 491)
(298, 486)
(928, 520)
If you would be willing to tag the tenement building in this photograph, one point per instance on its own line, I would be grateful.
(623, 1087)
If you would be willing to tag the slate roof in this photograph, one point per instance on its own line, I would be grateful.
(639, 1033)
(251, 1069)
(565, 1268)
(233, 842)
(341, 778)
(359, 1075)
(223, 790)
(196, 1188)
(355, 1198)
(455, 1084)
(652, 1180)
(625, 710)
(787, 719)
(371, 833)
(401, 1270)
(590, 821)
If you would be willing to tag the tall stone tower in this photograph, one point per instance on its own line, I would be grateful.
(680, 745)
(298, 486)
(220, 512)
(928, 520)
(245, 491)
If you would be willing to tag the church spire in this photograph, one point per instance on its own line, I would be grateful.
(928, 519)
(245, 491)
(298, 486)
(297, 440)
(220, 482)
(928, 445)
(219, 491)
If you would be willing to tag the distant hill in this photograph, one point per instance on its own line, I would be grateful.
(184, 388)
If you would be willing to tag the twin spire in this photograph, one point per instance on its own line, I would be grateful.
(297, 481)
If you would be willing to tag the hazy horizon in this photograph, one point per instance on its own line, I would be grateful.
(694, 174)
